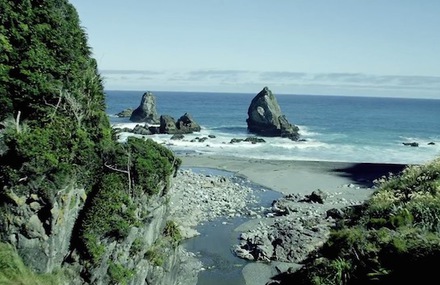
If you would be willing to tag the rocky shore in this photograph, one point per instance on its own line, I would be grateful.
(276, 238)
(197, 197)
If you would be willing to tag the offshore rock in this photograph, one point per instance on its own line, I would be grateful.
(146, 112)
(266, 119)
(125, 113)
(184, 125)
(167, 125)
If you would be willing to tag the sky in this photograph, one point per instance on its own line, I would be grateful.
(388, 48)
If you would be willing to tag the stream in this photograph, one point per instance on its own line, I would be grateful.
(213, 245)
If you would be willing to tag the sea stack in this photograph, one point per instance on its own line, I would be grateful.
(146, 112)
(266, 119)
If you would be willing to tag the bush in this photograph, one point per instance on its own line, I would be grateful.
(109, 215)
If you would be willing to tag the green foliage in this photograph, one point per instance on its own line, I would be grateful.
(172, 231)
(149, 163)
(136, 246)
(13, 271)
(49, 83)
(155, 255)
(56, 131)
(110, 215)
(119, 275)
(398, 234)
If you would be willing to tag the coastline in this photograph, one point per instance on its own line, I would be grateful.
(342, 184)
(297, 176)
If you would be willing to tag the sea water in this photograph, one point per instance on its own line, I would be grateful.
(333, 128)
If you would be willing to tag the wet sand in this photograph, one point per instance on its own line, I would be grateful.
(300, 177)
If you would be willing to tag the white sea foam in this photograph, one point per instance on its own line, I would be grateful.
(311, 149)
(306, 132)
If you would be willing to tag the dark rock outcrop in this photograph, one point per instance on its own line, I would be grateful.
(266, 119)
(184, 125)
(413, 144)
(146, 112)
(125, 113)
(167, 125)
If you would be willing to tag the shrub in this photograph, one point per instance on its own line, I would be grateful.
(172, 231)
(109, 215)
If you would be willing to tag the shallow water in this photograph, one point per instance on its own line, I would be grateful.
(213, 245)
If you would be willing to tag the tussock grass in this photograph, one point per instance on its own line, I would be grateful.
(14, 272)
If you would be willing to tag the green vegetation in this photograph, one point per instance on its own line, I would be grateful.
(52, 102)
(14, 272)
(54, 130)
(155, 255)
(171, 237)
(119, 275)
(396, 236)
(172, 231)
(138, 167)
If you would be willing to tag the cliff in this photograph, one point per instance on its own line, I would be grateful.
(76, 206)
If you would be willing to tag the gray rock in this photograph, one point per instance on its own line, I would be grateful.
(266, 119)
(168, 125)
(125, 113)
(186, 124)
(177, 137)
(141, 130)
(34, 228)
(146, 112)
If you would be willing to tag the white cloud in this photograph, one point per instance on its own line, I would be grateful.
(282, 82)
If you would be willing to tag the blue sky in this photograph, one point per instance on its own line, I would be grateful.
(336, 47)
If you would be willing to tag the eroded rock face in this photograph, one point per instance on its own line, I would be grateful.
(146, 112)
(266, 119)
(41, 230)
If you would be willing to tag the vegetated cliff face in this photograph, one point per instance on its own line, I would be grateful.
(72, 199)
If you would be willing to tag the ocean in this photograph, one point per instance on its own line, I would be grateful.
(334, 128)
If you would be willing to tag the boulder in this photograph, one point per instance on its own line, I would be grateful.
(266, 119)
(413, 144)
(125, 113)
(186, 124)
(146, 112)
(167, 125)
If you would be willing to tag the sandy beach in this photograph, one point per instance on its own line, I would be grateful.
(299, 177)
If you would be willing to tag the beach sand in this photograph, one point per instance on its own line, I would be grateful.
(302, 177)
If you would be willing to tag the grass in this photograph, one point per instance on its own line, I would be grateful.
(14, 272)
